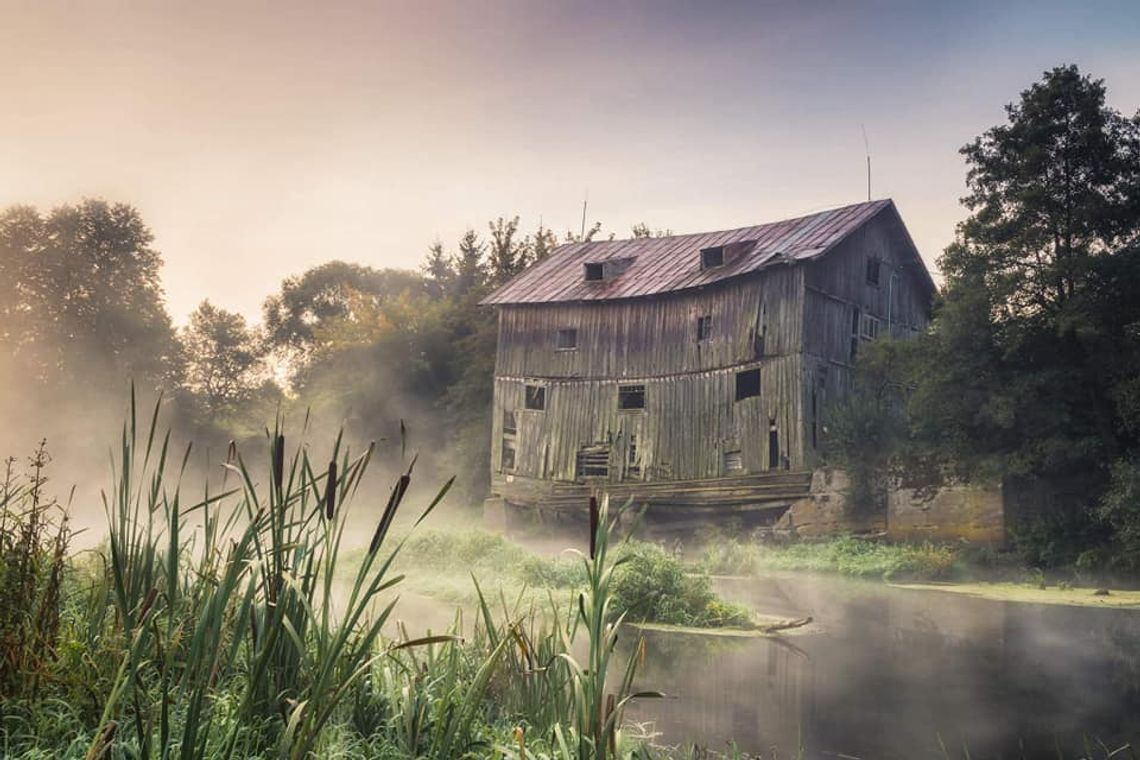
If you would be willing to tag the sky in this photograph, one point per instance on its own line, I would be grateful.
(259, 139)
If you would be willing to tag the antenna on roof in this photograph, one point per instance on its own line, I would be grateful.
(585, 200)
(867, 150)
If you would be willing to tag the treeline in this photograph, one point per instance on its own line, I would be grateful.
(383, 352)
(1030, 374)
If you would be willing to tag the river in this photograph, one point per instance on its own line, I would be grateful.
(886, 672)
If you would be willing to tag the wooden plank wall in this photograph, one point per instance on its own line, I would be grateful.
(837, 284)
(653, 337)
(689, 421)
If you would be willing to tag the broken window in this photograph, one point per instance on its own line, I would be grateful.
(631, 397)
(704, 328)
(733, 461)
(536, 397)
(567, 339)
(873, 266)
(632, 465)
(712, 257)
(510, 426)
(593, 462)
(747, 384)
(594, 271)
(870, 327)
(507, 461)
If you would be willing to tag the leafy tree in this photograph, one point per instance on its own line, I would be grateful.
(225, 360)
(293, 318)
(507, 256)
(1028, 372)
(82, 296)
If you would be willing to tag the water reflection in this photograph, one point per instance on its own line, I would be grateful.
(891, 671)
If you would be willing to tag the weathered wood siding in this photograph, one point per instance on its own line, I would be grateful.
(837, 283)
(834, 287)
(654, 337)
(688, 423)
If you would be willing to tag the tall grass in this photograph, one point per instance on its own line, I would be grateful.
(222, 626)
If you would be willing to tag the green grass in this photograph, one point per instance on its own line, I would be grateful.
(651, 586)
(845, 555)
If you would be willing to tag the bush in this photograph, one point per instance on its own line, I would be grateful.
(652, 585)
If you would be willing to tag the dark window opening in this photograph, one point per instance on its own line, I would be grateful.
(536, 397)
(631, 397)
(508, 458)
(593, 462)
(567, 339)
(773, 445)
(632, 465)
(594, 271)
(814, 419)
(855, 324)
(712, 257)
(873, 266)
(747, 384)
(510, 425)
(704, 328)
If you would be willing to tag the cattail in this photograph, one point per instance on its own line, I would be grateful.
(394, 500)
(611, 734)
(593, 525)
(147, 603)
(330, 491)
(520, 737)
(279, 462)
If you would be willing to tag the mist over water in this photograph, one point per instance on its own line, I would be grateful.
(888, 673)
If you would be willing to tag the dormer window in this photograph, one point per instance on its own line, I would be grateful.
(712, 257)
(594, 272)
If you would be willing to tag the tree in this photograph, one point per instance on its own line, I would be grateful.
(1028, 372)
(83, 298)
(293, 318)
(439, 272)
(471, 272)
(507, 256)
(225, 361)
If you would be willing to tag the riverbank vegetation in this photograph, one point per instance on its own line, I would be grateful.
(1028, 375)
(237, 625)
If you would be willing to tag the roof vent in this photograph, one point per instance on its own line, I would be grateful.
(596, 271)
(712, 257)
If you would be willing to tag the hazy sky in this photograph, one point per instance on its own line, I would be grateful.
(259, 139)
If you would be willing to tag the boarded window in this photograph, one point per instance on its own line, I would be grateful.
(631, 397)
(733, 461)
(632, 464)
(508, 458)
(704, 328)
(567, 339)
(712, 257)
(594, 271)
(873, 267)
(747, 384)
(536, 397)
(510, 426)
(593, 462)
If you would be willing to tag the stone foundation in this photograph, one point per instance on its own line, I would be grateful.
(974, 513)
(824, 512)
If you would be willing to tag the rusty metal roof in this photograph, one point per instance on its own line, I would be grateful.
(666, 264)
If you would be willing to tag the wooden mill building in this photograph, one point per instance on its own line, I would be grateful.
(692, 372)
